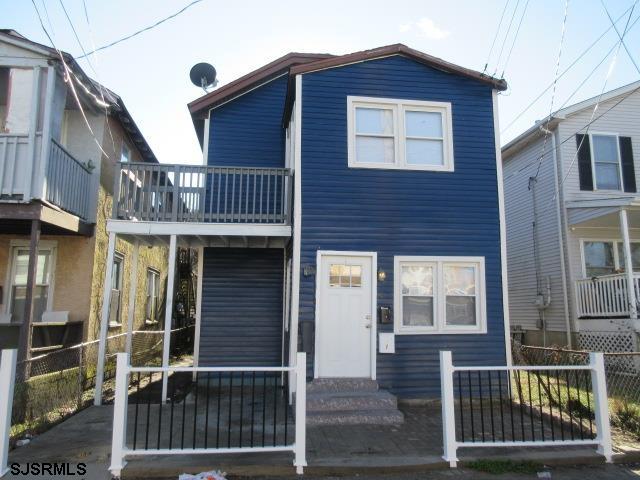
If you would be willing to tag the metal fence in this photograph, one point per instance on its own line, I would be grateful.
(61, 383)
(621, 368)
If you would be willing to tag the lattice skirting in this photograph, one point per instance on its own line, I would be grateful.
(613, 342)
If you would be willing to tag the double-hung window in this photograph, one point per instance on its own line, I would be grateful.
(439, 295)
(153, 295)
(606, 162)
(399, 134)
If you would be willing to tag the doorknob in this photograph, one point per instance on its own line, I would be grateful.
(367, 326)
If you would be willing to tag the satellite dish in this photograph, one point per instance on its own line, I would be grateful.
(203, 75)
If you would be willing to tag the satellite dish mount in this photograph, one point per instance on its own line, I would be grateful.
(203, 75)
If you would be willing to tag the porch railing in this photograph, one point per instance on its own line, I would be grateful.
(524, 406)
(14, 155)
(604, 296)
(69, 184)
(184, 193)
(209, 410)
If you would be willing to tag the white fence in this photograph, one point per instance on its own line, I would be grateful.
(605, 296)
(524, 406)
(209, 410)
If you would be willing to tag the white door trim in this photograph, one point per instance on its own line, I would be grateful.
(374, 304)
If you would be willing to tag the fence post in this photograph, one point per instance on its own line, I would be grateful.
(599, 386)
(7, 380)
(300, 447)
(118, 441)
(448, 413)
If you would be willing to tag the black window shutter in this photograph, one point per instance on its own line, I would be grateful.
(628, 170)
(584, 162)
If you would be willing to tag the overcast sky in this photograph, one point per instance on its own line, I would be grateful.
(150, 71)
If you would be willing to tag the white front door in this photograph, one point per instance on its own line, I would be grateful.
(344, 330)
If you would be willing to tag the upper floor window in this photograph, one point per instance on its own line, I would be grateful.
(606, 162)
(125, 154)
(439, 295)
(399, 134)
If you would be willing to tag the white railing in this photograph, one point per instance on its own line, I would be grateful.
(212, 423)
(7, 380)
(69, 183)
(604, 296)
(524, 406)
(14, 156)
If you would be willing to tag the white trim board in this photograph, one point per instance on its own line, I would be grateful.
(202, 229)
(374, 301)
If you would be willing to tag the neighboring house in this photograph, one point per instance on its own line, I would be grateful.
(573, 214)
(349, 207)
(56, 183)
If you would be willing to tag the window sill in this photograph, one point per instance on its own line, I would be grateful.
(419, 168)
(151, 322)
(475, 331)
(114, 325)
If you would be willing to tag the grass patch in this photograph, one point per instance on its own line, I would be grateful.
(626, 416)
(499, 467)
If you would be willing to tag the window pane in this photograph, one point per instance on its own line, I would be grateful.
(375, 150)
(374, 121)
(18, 296)
(417, 311)
(417, 280)
(356, 275)
(461, 310)
(605, 148)
(334, 275)
(607, 176)
(424, 152)
(423, 124)
(598, 258)
(22, 267)
(459, 280)
(635, 255)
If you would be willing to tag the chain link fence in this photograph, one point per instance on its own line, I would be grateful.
(61, 383)
(622, 370)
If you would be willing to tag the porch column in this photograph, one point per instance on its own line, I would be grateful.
(104, 320)
(628, 264)
(133, 289)
(196, 340)
(168, 314)
(24, 345)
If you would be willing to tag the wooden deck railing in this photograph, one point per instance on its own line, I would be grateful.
(604, 296)
(69, 184)
(14, 155)
(185, 193)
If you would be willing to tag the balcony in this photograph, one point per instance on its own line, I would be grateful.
(202, 194)
(605, 296)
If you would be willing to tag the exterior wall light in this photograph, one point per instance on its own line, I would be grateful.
(382, 275)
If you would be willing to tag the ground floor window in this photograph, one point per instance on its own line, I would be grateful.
(439, 295)
(153, 295)
(606, 257)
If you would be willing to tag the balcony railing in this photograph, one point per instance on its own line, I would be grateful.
(69, 184)
(605, 296)
(184, 193)
(14, 159)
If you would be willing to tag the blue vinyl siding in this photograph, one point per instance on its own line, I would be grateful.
(247, 131)
(396, 212)
(241, 307)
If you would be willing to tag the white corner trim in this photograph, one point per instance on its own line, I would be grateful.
(374, 302)
(297, 224)
(205, 140)
(399, 107)
(503, 231)
(196, 339)
(437, 263)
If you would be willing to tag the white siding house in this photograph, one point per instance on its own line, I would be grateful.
(566, 207)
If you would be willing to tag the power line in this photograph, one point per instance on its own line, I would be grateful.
(495, 37)
(159, 22)
(621, 39)
(533, 102)
(513, 44)
(504, 41)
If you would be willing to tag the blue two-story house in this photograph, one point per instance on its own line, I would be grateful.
(349, 207)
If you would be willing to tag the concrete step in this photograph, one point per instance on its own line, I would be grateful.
(351, 401)
(337, 385)
(361, 417)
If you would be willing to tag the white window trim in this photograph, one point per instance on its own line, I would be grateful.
(593, 161)
(439, 302)
(119, 256)
(617, 261)
(399, 107)
(14, 245)
(156, 273)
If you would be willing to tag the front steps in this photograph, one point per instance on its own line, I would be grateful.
(350, 401)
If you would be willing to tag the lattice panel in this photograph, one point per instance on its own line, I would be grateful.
(612, 342)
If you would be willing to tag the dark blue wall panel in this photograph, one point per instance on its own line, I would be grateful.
(247, 131)
(403, 212)
(241, 307)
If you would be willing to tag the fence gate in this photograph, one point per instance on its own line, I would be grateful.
(524, 406)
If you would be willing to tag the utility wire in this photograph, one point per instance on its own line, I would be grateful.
(624, 44)
(495, 37)
(578, 58)
(159, 22)
(504, 41)
(513, 44)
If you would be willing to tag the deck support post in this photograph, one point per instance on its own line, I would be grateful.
(168, 314)
(119, 433)
(448, 405)
(601, 404)
(300, 448)
(196, 339)
(133, 288)
(628, 266)
(104, 321)
(7, 380)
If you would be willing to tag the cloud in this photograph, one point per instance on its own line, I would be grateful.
(427, 28)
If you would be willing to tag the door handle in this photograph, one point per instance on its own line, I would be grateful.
(368, 325)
